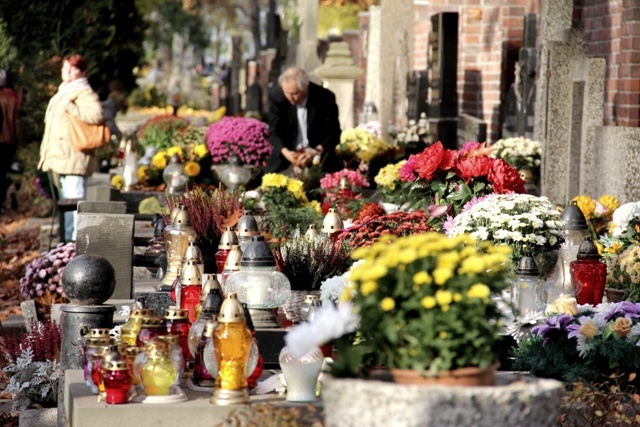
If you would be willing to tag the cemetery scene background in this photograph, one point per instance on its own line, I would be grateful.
(565, 73)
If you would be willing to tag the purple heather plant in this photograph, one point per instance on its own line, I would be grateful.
(246, 137)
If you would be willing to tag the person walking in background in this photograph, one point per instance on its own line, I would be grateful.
(115, 102)
(9, 107)
(70, 169)
(303, 124)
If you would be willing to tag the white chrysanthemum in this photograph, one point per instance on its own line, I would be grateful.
(328, 323)
(623, 215)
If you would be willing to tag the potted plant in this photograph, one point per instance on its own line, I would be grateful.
(41, 279)
(347, 200)
(530, 225)
(583, 343)
(31, 363)
(424, 308)
(286, 206)
(623, 276)
(210, 211)
(443, 180)
(307, 262)
(245, 137)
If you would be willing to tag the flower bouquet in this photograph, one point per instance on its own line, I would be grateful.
(247, 138)
(623, 273)
(624, 229)
(41, 281)
(442, 181)
(425, 301)
(287, 205)
(361, 144)
(389, 183)
(347, 201)
(598, 212)
(159, 131)
(412, 136)
(368, 230)
(590, 344)
(530, 225)
(521, 153)
(210, 211)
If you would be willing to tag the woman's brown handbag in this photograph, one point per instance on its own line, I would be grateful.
(85, 136)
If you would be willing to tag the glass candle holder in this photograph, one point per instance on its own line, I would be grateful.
(129, 331)
(151, 327)
(158, 373)
(177, 322)
(588, 274)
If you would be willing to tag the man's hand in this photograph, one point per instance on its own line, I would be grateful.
(291, 156)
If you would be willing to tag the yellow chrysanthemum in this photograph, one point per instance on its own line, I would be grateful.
(428, 302)
(479, 290)
(421, 278)
(117, 181)
(586, 204)
(316, 206)
(200, 150)
(441, 275)
(473, 265)
(407, 256)
(274, 180)
(609, 202)
(368, 287)
(159, 160)
(374, 272)
(444, 298)
(175, 150)
(389, 175)
(387, 304)
(442, 335)
(142, 172)
(192, 169)
(448, 260)
(457, 297)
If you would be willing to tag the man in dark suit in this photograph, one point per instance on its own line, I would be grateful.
(303, 124)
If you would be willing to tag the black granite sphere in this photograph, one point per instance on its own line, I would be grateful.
(88, 280)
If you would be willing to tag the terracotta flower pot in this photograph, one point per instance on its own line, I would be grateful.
(614, 295)
(470, 376)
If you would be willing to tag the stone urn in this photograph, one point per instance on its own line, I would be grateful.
(515, 400)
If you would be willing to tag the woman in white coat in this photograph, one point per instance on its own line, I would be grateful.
(70, 169)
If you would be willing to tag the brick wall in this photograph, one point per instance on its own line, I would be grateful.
(612, 32)
(489, 37)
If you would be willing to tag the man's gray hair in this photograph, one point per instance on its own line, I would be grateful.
(298, 75)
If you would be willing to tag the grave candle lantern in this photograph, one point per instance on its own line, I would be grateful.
(232, 343)
(527, 290)
(588, 274)
(174, 176)
(259, 284)
(227, 240)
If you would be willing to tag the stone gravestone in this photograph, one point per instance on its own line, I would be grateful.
(442, 73)
(569, 106)
(233, 100)
(340, 73)
(616, 160)
(307, 52)
(102, 207)
(111, 236)
(388, 60)
(417, 93)
(520, 103)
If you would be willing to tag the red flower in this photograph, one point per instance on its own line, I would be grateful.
(433, 158)
(505, 178)
(474, 167)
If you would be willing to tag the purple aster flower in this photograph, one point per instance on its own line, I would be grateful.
(447, 226)
(624, 309)
(557, 323)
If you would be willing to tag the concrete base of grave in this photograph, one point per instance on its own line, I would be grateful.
(45, 417)
(515, 401)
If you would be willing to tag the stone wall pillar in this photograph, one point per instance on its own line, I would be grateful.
(339, 74)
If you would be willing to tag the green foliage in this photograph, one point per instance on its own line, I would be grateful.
(107, 33)
(172, 18)
(7, 50)
(336, 17)
(283, 219)
(147, 96)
